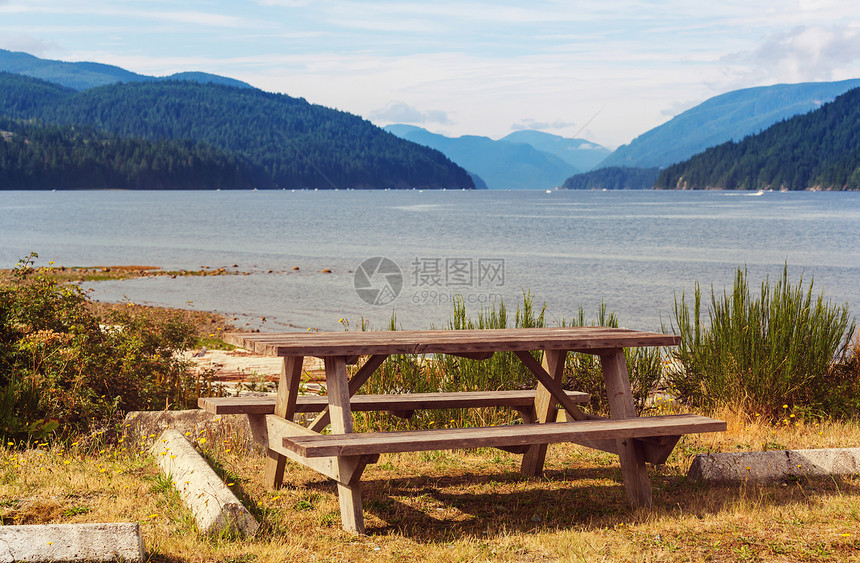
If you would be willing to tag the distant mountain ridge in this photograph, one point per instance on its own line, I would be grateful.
(297, 144)
(730, 116)
(511, 162)
(579, 153)
(84, 75)
(282, 142)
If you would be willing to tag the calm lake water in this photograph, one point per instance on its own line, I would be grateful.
(633, 250)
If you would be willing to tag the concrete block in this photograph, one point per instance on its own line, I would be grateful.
(143, 427)
(774, 465)
(215, 507)
(71, 542)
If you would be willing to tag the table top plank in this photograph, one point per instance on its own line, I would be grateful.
(322, 344)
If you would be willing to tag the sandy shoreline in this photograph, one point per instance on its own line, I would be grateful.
(241, 365)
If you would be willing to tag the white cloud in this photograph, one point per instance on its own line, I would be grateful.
(480, 95)
(28, 44)
(482, 65)
(286, 3)
(401, 112)
(191, 17)
(804, 53)
(529, 123)
(49, 11)
(677, 107)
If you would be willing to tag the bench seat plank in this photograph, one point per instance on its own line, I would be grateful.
(392, 402)
(496, 436)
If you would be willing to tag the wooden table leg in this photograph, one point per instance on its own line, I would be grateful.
(285, 407)
(545, 411)
(340, 411)
(363, 374)
(621, 405)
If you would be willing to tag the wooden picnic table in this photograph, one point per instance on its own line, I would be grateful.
(343, 454)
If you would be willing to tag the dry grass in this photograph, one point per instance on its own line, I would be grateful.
(208, 326)
(463, 505)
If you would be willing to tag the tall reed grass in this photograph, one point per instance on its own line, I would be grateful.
(767, 353)
(503, 371)
(583, 372)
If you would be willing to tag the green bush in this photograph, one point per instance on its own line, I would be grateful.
(63, 371)
(760, 353)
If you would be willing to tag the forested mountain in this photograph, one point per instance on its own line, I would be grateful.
(84, 75)
(730, 116)
(818, 150)
(295, 144)
(502, 165)
(68, 157)
(613, 178)
(23, 96)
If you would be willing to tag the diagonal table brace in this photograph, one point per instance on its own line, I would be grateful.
(551, 385)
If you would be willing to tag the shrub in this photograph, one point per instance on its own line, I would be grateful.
(62, 371)
(760, 353)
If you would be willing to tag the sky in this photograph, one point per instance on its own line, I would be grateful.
(603, 70)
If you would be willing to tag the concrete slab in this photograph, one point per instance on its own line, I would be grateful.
(215, 507)
(774, 465)
(71, 542)
(143, 427)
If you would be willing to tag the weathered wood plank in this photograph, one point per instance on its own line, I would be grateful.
(475, 355)
(361, 376)
(657, 450)
(351, 507)
(285, 407)
(495, 436)
(340, 412)
(550, 384)
(544, 409)
(271, 430)
(457, 342)
(621, 406)
(395, 402)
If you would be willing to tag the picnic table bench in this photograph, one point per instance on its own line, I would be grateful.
(343, 454)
